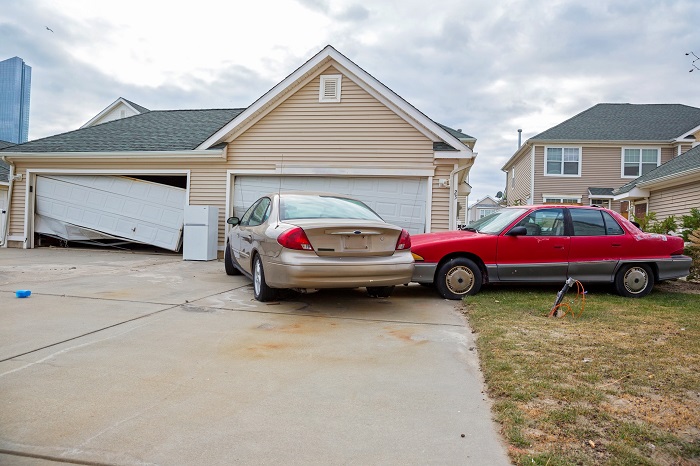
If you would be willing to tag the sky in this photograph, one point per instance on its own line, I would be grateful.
(487, 67)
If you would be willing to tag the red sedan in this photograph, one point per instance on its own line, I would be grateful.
(546, 243)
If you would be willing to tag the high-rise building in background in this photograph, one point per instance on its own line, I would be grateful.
(15, 84)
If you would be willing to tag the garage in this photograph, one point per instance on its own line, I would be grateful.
(398, 200)
(101, 207)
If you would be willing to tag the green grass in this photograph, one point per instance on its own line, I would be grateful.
(619, 384)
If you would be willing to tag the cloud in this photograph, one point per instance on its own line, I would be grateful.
(486, 67)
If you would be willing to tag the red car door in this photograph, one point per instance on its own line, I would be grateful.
(541, 255)
(597, 245)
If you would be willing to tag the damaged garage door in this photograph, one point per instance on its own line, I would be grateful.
(79, 208)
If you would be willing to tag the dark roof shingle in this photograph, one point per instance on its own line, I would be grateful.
(163, 130)
(626, 122)
(689, 160)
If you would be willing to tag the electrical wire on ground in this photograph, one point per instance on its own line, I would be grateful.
(575, 307)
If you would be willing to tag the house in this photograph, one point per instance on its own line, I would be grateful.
(584, 159)
(481, 208)
(120, 108)
(4, 187)
(672, 189)
(328, 126)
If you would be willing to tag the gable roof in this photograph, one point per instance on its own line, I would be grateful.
(626, 122)
(164, 130)
(281, 91)
(120, 101)
(686, 163)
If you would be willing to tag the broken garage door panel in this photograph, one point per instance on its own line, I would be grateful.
(117, 206)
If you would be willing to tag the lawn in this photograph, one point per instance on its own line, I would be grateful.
(618, 384)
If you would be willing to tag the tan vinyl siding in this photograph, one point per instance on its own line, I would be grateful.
(520, 193)
(601, 167)
(677, 201)
(441, 199)
(358, 131)
(301, 133)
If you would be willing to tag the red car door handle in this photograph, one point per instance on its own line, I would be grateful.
(616, 245)
(559, 247)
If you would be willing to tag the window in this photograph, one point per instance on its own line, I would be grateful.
(637, 162)
(484, 212)
(330, 88)
(512, 178)
(601, 202)
(257, 213)
(562, 161)
(544, 222)
(561, 200)
(594, 223)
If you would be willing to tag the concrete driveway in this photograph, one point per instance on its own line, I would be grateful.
(130, 358)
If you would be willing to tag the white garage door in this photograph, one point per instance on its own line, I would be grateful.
(118, 206)
(401, 201)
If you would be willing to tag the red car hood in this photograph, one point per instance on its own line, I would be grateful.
(443, 236)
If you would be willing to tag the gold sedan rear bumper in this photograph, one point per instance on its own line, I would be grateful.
(294, 269)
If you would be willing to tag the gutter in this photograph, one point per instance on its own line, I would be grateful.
(11, 179)
(454, 185)
(205, 154)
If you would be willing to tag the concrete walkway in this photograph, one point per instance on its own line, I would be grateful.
(127, 358)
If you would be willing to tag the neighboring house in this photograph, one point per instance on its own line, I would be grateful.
(4, 186)
(671, 189)
(584, 159)
(120, 108)
(482, 208)
(328, 126)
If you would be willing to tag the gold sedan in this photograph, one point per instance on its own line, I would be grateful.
(303, 240)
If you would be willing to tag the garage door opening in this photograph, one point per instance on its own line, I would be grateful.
(126, 212)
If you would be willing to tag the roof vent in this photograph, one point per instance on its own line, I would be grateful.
(330, 88)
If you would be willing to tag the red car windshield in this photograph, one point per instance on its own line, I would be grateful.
(495, 223)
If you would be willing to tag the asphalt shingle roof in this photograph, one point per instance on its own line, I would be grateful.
(688, 160)
(164, 130)
(626, 122)
(600, 191)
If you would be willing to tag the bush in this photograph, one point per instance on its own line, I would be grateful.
(694, 253)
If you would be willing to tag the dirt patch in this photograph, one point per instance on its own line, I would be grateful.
(680, 286)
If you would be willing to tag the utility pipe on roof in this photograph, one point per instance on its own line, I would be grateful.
(11, 179)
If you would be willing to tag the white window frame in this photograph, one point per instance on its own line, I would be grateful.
(605, 202)
(483, 212)
(640, 149)
(326, 79)
(562, 174)
(559, 199)
(512, 178)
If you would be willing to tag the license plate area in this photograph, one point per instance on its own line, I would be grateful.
(355, 242)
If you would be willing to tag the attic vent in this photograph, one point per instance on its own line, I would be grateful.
(330, 88)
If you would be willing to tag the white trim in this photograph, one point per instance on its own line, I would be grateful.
(429, 205)
(562, 196)
(108, 109)
(640, 148)
(405, 110)
(32, 173)
(682, 137)
(301, 170)
(324, 80)
(562, 174)
(532, 175)
(448, 154)
(200, 154)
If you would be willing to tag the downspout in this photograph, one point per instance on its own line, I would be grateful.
(454, 185)
(11, 179)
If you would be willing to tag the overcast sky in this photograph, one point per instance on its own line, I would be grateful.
(487, 67)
